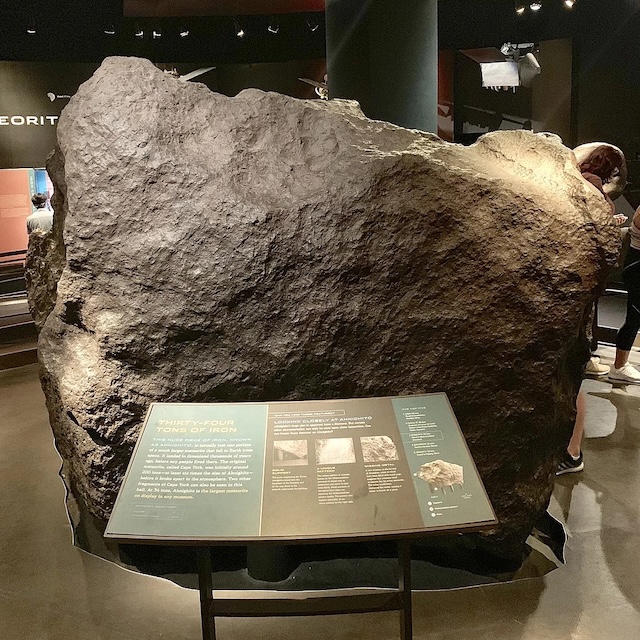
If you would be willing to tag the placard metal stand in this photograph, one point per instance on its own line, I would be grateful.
(308, 603)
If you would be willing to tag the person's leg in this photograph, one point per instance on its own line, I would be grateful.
(575, 444)
(572, 461)
(622, 357)
(629, 330)
(594, 366)
(593, 340)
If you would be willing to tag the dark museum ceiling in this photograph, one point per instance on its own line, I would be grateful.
(74, 30)
(148, 8)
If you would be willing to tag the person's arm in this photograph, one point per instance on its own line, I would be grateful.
(610, 203)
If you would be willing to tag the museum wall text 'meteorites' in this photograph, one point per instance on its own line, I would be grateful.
(262, 247)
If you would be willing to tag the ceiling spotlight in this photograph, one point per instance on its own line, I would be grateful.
(274, 26)
(569, 3)
(31, 27)
(535, 6)
(519, 7)
(139, 33)
(156, 33)
(238, 29)
(312, 23)
(110, 31)
(184, 33)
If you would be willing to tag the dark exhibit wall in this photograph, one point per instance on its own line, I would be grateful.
(608, 81)
(469, 24)
(551, 91)
(34, 94)
(230, 79)
(32, 98)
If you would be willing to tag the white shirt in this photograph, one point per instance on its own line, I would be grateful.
(40, 219)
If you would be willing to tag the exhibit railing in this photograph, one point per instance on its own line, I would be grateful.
(12, 265)
(17, 329)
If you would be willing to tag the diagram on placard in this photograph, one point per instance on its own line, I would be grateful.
(287, 453)
(378, 449)
(335, 451)
(440, 475)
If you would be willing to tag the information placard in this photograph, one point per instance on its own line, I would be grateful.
(299, 470)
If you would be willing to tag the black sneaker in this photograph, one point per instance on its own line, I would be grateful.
(569, 464)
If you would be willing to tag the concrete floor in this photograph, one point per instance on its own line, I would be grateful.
(51, 590)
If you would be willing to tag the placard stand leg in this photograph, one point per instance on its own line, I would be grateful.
(388, 600)
(404, 587)
(205, 584)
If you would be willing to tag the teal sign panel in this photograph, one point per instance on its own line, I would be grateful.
(299, 470)
(445, 479)
(196, 473)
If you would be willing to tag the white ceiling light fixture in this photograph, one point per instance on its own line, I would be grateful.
(156, 33)
(31, 27)
(312, 23)
(569, 4)
(139, 33)
(110, 30)
(184, 33)
(519, 6)
(535, 6)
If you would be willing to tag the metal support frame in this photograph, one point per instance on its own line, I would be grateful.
(341, 601)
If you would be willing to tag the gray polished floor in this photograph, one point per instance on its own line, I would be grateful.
(51, 590)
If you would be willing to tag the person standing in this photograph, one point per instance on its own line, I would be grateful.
(42, 217)
(598, 168)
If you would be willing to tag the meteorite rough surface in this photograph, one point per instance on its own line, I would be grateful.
(261, 247)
